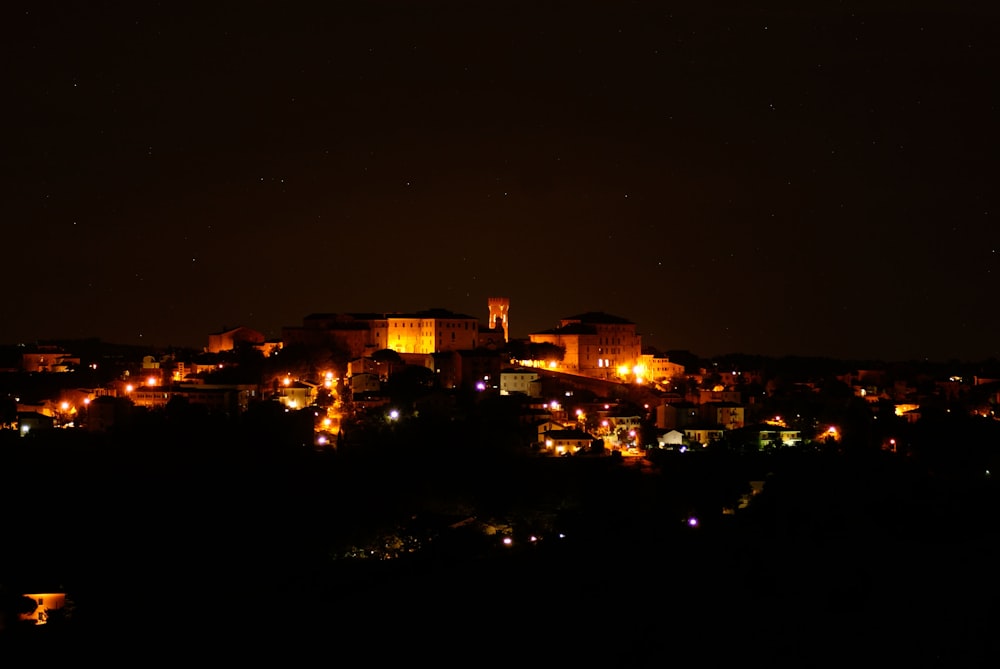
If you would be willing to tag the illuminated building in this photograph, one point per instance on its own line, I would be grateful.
(227, 340)
(704, 435)
(729, 415)
(670, 439)
(770, 436)
(660, 368)
(559, 442)
(44, 603)
(520, 381)
(430, 331)
(297, 394)
(356, 334)
(32, 421)
(596, 344)
(47, 358)
(364, 383)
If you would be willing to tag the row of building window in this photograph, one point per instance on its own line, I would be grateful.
(456, 326)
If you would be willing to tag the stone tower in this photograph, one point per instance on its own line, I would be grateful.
(499, 306)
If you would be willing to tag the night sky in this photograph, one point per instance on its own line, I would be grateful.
(807, 179)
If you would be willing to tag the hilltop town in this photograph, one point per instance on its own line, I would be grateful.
(586, 385)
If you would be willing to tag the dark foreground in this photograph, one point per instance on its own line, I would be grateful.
(840, 560)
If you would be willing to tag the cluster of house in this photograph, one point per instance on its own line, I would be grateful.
(595, 351)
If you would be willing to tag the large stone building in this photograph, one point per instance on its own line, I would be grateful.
(229, 339)
(596, 344)
(430, 331)
(356, 334)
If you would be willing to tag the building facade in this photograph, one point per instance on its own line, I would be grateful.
(595, 344)
(430, 331)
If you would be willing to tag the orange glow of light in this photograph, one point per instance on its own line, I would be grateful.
(48, 601)
(129, 387)
(286, 381)
(64, 406)
(151, 381)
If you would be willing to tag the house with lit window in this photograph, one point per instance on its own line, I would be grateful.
(771, 436)
(297, 394)
(45, 603)
(704, 435)
(565, 442)
(728, 415)
(33, 421)
(596, 344)
(659, 368)
(677, 415)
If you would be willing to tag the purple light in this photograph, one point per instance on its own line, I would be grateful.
(692, 522)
